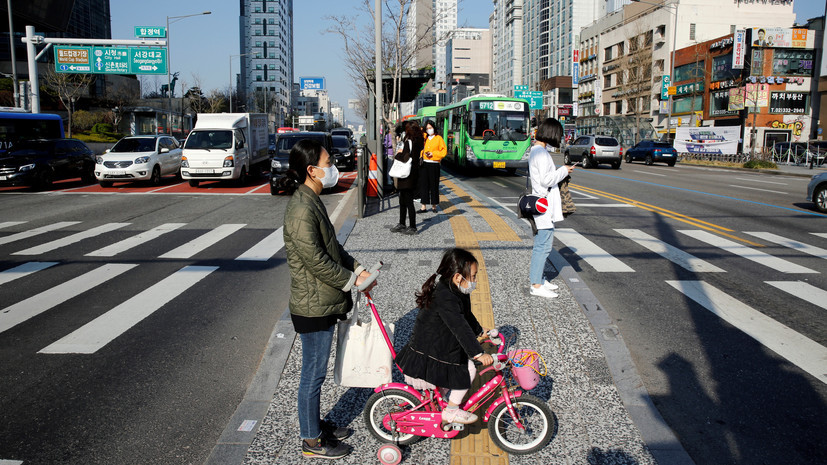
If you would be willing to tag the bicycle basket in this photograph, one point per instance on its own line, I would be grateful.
(526, 368)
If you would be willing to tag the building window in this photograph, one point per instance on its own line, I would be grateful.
(792, 62)
(692, 31)
(607, 53)
(689, 71)
(722, 68)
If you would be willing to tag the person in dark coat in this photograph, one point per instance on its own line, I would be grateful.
(407, 187)
(445, 334)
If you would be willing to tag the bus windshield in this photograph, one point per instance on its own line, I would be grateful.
(499, 125)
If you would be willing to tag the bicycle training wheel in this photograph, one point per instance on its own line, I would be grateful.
(383, 403)
(536, 417)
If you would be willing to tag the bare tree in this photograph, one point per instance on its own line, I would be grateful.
(217, 101)
(635, 76)
(68, 88)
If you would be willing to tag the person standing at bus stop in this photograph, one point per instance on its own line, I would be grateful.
(544, 179)
(411, 150)
(433, 152)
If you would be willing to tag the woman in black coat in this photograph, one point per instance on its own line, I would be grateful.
(412, 150)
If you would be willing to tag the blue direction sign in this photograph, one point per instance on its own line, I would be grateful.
(148, 61)
(533, 97)
(152, 32)
(73, 59)
(110, 60)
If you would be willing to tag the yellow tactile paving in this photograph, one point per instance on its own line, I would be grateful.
(476, 448)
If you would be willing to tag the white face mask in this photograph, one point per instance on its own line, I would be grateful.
(331, 176)
(430, 131)
(469, 289)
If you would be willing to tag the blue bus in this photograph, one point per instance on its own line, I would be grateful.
(19, 126)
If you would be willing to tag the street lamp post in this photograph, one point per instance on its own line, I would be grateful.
(169, 63)
(231, 76)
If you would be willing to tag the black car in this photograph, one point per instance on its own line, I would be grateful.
(345, 153)
(280, 160)
(651, 151)
(39, 162)
(347, 132)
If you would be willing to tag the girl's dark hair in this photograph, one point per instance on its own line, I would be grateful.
(431, 122)
(453, 261)
(550, 131)
(413, 131)
(306, 152)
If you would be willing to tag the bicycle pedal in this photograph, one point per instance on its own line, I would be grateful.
(453, 426)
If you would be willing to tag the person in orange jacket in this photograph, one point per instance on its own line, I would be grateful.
(434, 151)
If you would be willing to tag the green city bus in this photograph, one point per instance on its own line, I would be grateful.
(424, 114)
(486, 131)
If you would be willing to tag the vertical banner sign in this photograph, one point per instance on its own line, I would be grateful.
(664, 87)
(575, 67)
(738, 49)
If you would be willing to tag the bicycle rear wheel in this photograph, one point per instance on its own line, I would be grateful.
(384, 403)
(537, 419)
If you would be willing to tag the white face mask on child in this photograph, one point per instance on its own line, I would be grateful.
(469, 289)
(430, 131)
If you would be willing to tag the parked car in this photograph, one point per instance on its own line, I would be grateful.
(271, 144)
(817, 192)
(593, 150)
(280, 161)
(39, 162)
(651, 151)
(345, 153)
(139, 158)
(347, 132)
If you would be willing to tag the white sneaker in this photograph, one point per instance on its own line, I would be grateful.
(542, 292)
(550, 286)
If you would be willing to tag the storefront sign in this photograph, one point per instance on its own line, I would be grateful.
(689, 88)
(736, 99)
(757, 95)
(719, 104)
(793, 103)
(780, 37)
(707, 140)
(796, 126)
(739, 49)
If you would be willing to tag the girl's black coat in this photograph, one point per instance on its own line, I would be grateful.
(412, 181)
(444, 338)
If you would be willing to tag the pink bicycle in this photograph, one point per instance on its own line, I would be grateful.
(518, 423)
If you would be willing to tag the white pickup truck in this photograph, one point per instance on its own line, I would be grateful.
(225, 146)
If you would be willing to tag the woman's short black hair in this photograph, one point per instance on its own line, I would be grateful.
(306, 152)
(427, 122)
(550, 131)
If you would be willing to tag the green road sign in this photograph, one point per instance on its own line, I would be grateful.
(110, 60)
(518, 88)
(533, 97)
(148, 60)
(152, 32)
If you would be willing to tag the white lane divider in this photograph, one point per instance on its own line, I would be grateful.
(803, 291)
(23, 270)
(265, 249)
(36, 231)
(134, 241)
(89, 338)
(805, 353)
(8, 224)
(11, 462)
(824, 235)
(204, 241)
(749, 253)
(806, 248)
(598, 258)
(669, 252)
(74, 238)
(15, 314)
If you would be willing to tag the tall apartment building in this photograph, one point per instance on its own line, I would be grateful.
(266, 42)
(506, 25)
(437, 19)
(468, 58)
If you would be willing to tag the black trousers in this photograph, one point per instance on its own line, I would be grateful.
(406, 206)
(429, 183)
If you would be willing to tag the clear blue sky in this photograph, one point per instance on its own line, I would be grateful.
(202, 45)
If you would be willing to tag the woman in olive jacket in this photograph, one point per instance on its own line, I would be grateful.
(322, 274)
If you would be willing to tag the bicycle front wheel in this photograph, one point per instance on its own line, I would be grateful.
(537, 420)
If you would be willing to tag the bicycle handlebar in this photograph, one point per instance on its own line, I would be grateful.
(374, 273)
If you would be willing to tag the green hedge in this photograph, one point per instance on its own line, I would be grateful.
(98, 137)
(760, 164)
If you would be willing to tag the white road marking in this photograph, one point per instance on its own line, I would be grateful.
(757, 189)
(265, 249)
(798, 349)
(649, 173)
(582, 194)
(824, 235)
(670, 252)
(200, 243)
(762, 180)
(10, 462)
(806, 248)
(89, 338)
(499, 184)
(598, 258)
(7, 224)
(24, 270)
(74, 238)
(803, 291)
(134, 241)
(15, 314)
(36, 231)
(341, 205)
(757, 256)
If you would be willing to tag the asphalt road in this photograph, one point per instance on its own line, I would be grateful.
(706, 329)
(133, 351)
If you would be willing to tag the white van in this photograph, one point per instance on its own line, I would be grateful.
(225, 146)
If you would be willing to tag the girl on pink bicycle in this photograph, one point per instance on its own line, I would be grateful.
(445, 335)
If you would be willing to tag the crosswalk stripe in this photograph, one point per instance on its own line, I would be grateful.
(670, 252)
(8, 224)
(104, 329)
(797, 348)
(23, 270)
(74, 238)
(205, 240)
(265, 249)
(36, 231)
(803, 291)
(749, 253)
(15, 314)
(134, 241)
(824, 235)
(598, 258)
(806, 248)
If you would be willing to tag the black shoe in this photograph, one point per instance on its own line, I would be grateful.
(325, 449)
(398, 228)
(331, 431)
(410, 230)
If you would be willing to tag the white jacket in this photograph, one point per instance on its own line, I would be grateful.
(543, 175)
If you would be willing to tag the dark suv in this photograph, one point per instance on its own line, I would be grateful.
(593, 150)
(345, 153)
(280, 161)
(39, 162)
